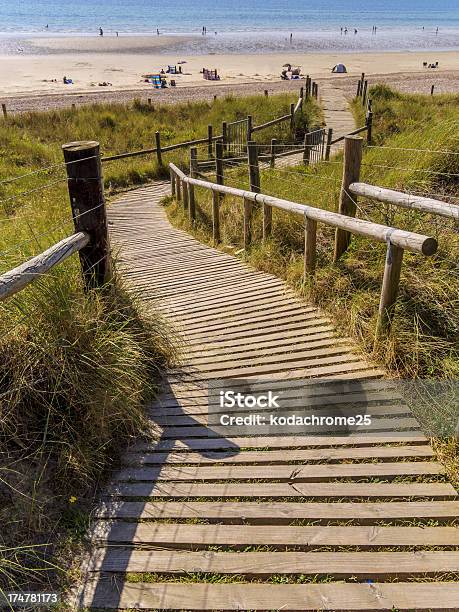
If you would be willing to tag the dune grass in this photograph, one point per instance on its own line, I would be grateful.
(77, 367)
(417, 145)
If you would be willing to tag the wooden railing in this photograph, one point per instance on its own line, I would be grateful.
(344, 222)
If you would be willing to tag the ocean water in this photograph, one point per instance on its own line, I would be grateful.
(247, 25)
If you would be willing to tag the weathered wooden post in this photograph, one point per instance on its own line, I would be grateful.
(254, 170)
(178, 188)
(4, 111)
(292, 117)
(185, 194)
(307, 148)
(302, 93)
(215, 217)
(328, 145)
(272, 162)
(224, 137)
(86, 191)
(432, 89)
(364, 94)
(369, 122)
(249, 127)
(209, 141)
(308, 86)
(359, 89)
(389, 289)
(173, 179)
(193, 170)
(247, 222)
(310, 239)
(351, 174)
(219, 162)
(159, 156)
(266, 93)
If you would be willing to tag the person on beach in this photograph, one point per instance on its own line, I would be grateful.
(341, 31)
(345, 30)
(291, 37)
(355, 31)
(157, 31)
(101, 32)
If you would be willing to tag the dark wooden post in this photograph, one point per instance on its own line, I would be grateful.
(249, 127)
(149, 101)
(215, 217)
(219, 162)
(351, 174)
(307, 148)
(369, 126)
(178, 187)
(389, 289)
(159, 156)
(193, 170)
(266, 93)
(86, 190)
(209, 141)
(247, 222)
(359, 89)
(432, 89)
(273, 152)
(4, 111)
(215, 97)
(364, 94)
(308, 86)
(302, 93)
(224, 137)
(254, 170)
(292, 117)
(173, 180)
(73, 106)
(186, 199)
(328, 145)
(310, 234)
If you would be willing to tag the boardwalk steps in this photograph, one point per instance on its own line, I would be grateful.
(206, 522)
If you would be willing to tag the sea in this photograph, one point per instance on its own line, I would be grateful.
(241, 26)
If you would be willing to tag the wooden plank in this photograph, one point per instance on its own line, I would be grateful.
(283, 473)
(261, 564)
(388, 425)
(278, 457)
(288, 442)
(110, 592)
(177, 535)
(201, 417)
(282, 512)
(279, 490)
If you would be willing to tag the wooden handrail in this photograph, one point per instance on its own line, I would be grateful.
(192, 143)
(410, 241)
(15, 280)
(406, 200)
(397, 240)
(353, 133)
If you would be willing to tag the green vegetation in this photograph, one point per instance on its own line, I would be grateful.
(417, 140)
(77, 367)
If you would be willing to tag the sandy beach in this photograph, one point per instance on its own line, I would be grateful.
(122, 61)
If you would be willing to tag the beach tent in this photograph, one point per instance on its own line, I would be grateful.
(339, 68)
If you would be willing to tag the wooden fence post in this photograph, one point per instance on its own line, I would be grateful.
(272, 162)
(193, 170)
(328, 145)
(310, 238)
(302, 93)
(86, 191)
(159, 156)
(4, 111)
(307, 148)
(249, 127)
(254, 170)
(369, 122)
(219, 162)
(359, 89)
(266, 93)
(389, 289)
(308, 86)
(215, 217)
(292, 117)
(173, 180)
(209, 141)
(351, 174)
(224, 137)
(364, 94)
(247, 222)
(178, 188)
(185, 194)
(149, 101)
(432, 89)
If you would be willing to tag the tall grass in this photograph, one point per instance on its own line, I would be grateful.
(77, 367)
(418, 141)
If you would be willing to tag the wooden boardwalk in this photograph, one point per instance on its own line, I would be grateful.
(199, 521)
